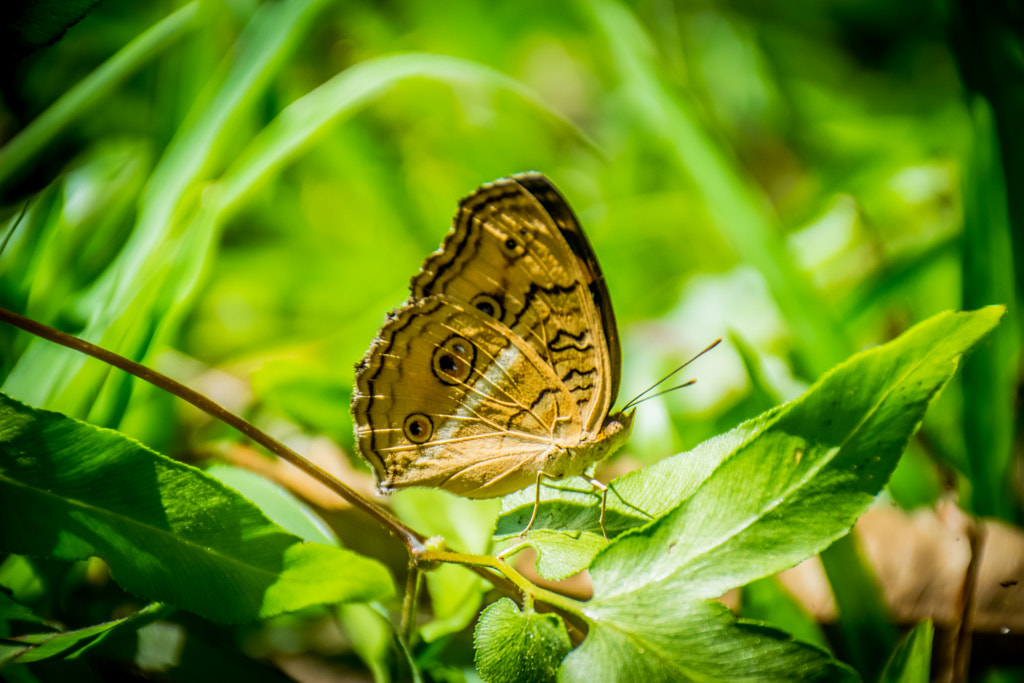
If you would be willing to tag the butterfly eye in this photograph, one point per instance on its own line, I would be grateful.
(418, 428)
(453, 360)
(488, 305)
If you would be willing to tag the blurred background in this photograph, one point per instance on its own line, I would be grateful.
(237, 192)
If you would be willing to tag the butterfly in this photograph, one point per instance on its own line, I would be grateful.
(501, 368)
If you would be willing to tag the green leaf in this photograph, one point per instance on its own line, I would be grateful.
(865, 633)
(512, 646)
(566, 534)
(20, 576)
(12, 610)
(671, 637)
(41, 646)
(912, 660)
(760, 510)
(168, 531)
(277, 503)
(786, 485)
(749, 502)
(633, 500)
(560, 554)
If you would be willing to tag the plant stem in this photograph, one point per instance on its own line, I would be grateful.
(570, 610)
(411, 602)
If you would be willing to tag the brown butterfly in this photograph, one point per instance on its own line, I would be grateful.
(502, 366)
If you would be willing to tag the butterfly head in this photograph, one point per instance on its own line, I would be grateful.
(574, 460)
(616, 430)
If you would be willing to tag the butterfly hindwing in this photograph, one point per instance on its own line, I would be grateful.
(448, 397)
(517, 254)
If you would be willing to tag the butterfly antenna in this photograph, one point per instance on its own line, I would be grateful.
(636, 402)
(640, 397)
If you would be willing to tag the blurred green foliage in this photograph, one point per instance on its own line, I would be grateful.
(235, 193)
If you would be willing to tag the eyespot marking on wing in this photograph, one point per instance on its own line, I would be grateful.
(453, 360)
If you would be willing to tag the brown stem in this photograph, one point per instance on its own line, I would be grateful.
(413, 540)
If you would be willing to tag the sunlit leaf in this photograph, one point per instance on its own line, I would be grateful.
(761, 510)
(748, 502)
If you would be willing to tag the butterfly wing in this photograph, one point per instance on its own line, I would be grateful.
(448, 397)
(517, 253)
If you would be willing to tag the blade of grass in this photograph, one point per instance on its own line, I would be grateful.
(299, 125)
(985, 38)
(867, 634)
(138, 299)
(27, 144)
(990, 378)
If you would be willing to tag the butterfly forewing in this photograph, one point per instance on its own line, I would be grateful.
(586, 260)
(517, 254)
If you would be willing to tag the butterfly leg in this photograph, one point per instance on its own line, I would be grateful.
(603, 488)
(598, 486)
(536, 502)
(536, 505)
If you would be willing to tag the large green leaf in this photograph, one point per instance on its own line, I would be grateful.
(169, 532)
(796, 481)
(676, 638)
(750, 502)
